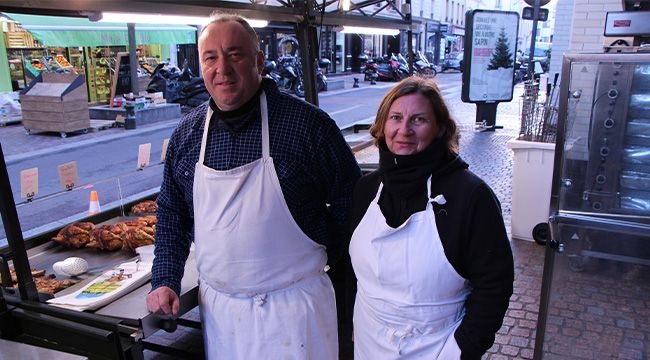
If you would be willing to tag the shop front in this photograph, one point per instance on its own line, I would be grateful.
(77, 45)
(433, 37)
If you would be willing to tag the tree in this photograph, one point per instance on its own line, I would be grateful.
(501, 56)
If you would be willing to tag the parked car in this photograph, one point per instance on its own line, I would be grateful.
(453, 61)
(542, 54)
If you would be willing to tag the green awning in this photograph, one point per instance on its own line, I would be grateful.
(71, 32)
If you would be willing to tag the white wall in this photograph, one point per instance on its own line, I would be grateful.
(579, 27)
(562, 34)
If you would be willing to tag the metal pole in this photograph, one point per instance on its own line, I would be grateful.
(531, 68)
(133, 59)
(26, 285)
(409, 35)
(307, 37)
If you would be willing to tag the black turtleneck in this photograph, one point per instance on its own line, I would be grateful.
(235, 120)
(405, 179)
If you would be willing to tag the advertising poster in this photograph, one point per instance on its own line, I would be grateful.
(491, 44)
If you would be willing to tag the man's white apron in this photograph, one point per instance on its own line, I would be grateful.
(263, 291)
(410, 300)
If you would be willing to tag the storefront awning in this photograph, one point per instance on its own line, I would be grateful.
(70, 32)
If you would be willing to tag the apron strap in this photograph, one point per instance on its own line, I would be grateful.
(266, 151)
(204, 139)
(266, 148)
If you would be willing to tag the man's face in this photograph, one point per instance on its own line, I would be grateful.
(230, 66)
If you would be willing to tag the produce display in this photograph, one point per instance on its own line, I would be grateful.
(127, 235)
(45, 283)
(37, 64)
(62, 61)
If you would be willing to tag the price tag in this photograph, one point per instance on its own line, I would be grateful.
(68, 177)
(144, 154)
(29, 183)
(163, 154)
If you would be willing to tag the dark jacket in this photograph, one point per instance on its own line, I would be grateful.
(470, 226)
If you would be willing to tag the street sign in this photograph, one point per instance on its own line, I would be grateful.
(527, 14)
(444, 28)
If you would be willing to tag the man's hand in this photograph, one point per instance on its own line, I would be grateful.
(163, 300)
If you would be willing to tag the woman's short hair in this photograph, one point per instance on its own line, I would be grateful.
(447, 129)
(220, 17)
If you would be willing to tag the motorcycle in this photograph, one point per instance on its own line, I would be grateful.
(181, 87)
(288, 74)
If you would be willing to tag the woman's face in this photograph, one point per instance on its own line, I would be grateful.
(411, 125)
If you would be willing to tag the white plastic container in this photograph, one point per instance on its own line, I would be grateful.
(146, 253)
(532, 174)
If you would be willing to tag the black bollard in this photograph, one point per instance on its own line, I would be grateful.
(129, 122)
(356, 83)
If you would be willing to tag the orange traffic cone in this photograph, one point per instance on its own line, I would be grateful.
(93, 206)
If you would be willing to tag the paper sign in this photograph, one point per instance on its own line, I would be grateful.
(163, 154)
(29, 183)
(68, 177)
(144, 154)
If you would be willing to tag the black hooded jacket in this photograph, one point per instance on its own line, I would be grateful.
(470, 226)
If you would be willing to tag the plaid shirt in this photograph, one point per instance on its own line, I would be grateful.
(314, 164)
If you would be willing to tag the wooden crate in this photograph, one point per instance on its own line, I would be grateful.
(55, 102)
(21, 39)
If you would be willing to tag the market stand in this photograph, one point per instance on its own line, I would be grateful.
(116, 330)
(119, 329)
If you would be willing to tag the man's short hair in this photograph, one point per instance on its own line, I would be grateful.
(220, 17)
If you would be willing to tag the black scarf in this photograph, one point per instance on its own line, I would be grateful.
(405, 174)
(236, 120)
(405, 178)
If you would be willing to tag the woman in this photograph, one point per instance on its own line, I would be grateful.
(429, 250)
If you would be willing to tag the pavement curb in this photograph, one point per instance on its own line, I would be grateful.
(12, 159)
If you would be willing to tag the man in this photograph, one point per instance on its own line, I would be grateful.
(248, 178)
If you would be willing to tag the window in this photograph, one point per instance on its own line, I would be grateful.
(447, 10)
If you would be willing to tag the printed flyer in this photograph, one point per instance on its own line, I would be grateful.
(106, 287)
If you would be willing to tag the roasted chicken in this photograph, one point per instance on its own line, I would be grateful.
(145, 207)
(108, 237)
(139, 236)
(44, 283)
(75, 235)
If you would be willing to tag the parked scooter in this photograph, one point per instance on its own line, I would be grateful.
(385, 68)
(402, 66)
(423, 67)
